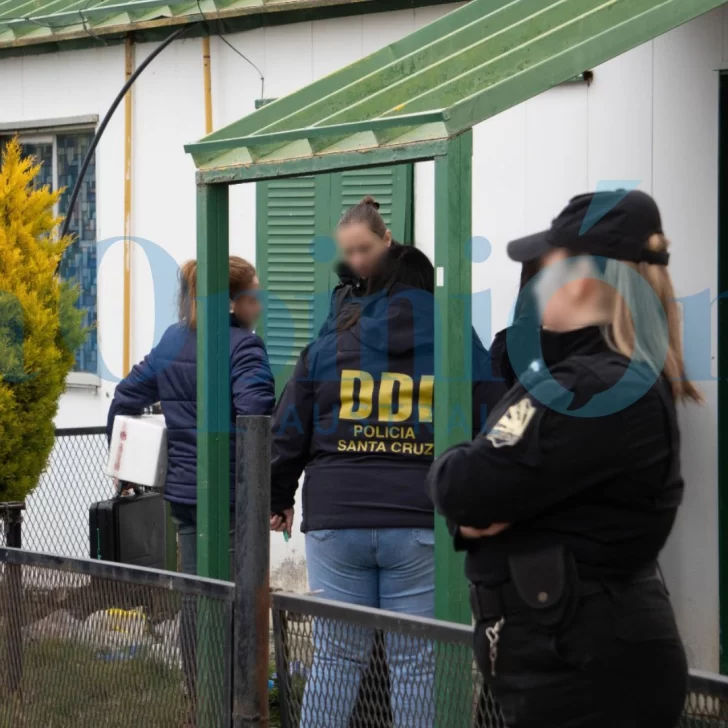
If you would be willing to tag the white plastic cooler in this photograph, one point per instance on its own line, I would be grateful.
(138, 451)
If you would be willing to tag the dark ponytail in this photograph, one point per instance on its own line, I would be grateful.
(366, 212)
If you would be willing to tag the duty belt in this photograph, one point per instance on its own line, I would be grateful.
(502, 601)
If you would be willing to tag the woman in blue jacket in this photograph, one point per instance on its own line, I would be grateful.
(357, 416)
(168, 375)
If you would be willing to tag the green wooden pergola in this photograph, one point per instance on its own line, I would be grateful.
(415, 100)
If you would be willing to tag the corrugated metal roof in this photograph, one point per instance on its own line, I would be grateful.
(30, 22)
(443, 79)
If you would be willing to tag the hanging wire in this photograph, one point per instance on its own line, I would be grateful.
(210, 31)
(87, 28)
(102, 126)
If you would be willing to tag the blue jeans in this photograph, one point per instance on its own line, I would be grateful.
(185, 518)
(386, 568)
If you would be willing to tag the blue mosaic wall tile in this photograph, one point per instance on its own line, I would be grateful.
(43, 153)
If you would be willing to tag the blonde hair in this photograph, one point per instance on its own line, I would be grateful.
(241, 278)
(656, 340)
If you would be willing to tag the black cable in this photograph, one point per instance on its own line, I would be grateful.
(102, 126)
(233, 48)
(97, 37)
(260, 73)
(87, 28)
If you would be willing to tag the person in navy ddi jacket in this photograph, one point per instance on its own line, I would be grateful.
(358, 418)
(168, 375)
(362, 238)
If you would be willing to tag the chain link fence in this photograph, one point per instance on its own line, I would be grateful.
(707, 703)
(56, 513)
(92, 643)
(87, 643)
(341, 666)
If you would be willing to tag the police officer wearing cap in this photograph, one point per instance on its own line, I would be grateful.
(565, 501)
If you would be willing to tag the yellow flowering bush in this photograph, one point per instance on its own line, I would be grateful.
(39, 325)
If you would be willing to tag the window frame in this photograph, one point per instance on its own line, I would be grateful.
(49, 138)
(44, 131)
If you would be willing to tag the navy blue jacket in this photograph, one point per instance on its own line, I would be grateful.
(169, 375)
(349, 287)
(357, 416)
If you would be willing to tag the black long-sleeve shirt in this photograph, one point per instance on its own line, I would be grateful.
(606, 486)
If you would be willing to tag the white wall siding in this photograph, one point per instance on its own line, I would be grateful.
(651, 116)
(168, 113)
(60, 85)
(619, 125)
(685, 174)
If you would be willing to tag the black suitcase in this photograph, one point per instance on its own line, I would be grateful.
(129, 529)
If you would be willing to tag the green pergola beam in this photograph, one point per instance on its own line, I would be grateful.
(388, 88)
(81, 9)
(406, 120)
(558, 40)
(427, 74)
(287, 106)
(469, 65)
(41, 25)
(631, 32)
(378, 156)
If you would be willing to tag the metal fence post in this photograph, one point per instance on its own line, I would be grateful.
(252, 560)
(12, 517)
(280, 637)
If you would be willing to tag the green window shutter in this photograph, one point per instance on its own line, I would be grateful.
(291, 214)
(286, 226)
(392, 187)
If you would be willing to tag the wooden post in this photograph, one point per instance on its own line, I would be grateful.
(213, 383)
(453, 348)
(453, 406)
(213, 442)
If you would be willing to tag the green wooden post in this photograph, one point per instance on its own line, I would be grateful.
(213, 443)
(453, 405)
(403, 203)
(723, 375)
(213, 383)
(453, 348)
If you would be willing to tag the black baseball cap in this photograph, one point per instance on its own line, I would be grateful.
(614, 224)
